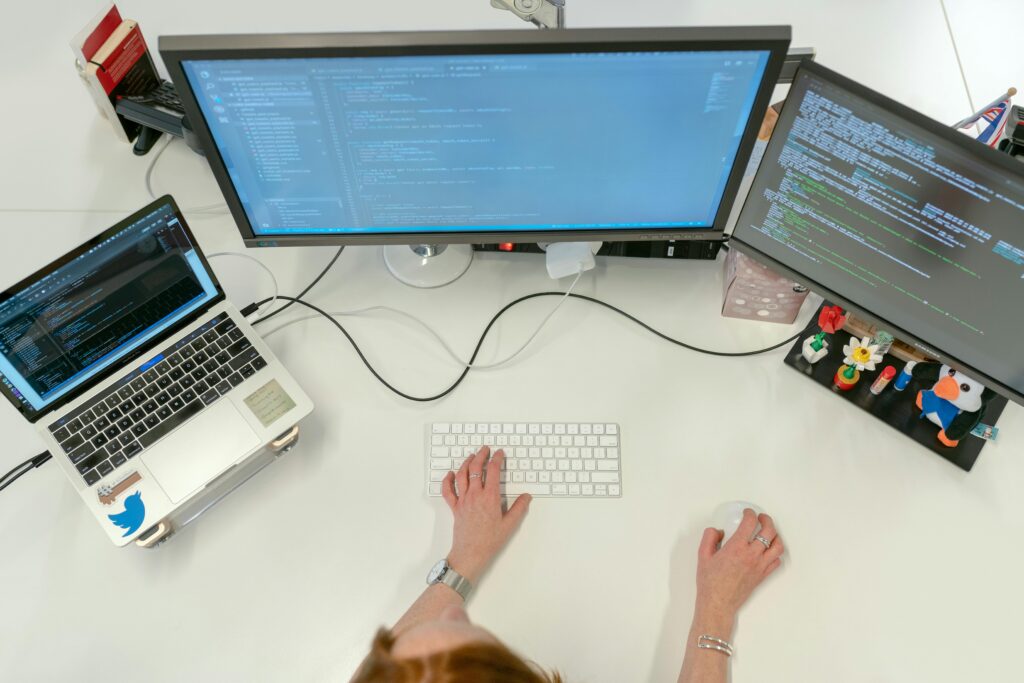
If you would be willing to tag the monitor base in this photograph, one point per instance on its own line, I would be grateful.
(428, 265)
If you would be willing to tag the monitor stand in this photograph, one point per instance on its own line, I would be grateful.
(428, 265)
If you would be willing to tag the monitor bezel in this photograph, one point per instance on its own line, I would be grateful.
(772, 39)
(33, 415)
(982, 152)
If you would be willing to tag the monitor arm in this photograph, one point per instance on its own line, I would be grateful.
(543, 13)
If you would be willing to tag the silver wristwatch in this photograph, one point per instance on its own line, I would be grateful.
(442, 572)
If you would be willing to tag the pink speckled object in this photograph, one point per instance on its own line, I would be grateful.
(755, 292)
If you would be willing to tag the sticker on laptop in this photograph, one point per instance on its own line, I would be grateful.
(269, 402)
(108, 494)
(131, 519)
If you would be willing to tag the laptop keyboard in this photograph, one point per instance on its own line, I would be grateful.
(149, 403)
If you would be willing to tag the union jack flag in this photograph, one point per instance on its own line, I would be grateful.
(996, 118)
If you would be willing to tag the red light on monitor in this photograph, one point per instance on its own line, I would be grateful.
(506, 246)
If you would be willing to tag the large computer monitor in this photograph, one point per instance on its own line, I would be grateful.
(899, 218)
(478, 136)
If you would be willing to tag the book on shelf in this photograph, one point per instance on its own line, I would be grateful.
(113, 60)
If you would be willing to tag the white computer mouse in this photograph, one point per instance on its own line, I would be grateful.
(728, 516)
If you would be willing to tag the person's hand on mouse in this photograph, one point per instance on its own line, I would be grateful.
(726, 577)
(482, 528)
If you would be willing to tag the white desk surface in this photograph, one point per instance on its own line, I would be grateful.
(900, 566)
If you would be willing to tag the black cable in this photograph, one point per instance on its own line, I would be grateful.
(487, 329)
(23, 468)
(303, 293)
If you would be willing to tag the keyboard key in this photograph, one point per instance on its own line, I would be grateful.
(162, 368)
(176, 374)
(132, 449)
(175, 360)
(140, 429)
(89, 431)
(187, 381)
(164, 412)
(152, 390)
(87, 417)
(201, 388)
(187, 353)
(118, 460)
(258, 363)
(149, 406)
(137, 414)
(125, 423)
(101, 423)
(115, 415)
(199, 374)
(162, 398)
(138, 399)
(91, 477)
(60, 434)
(247, 371)
(150, 375)
(170, 424)
(81, 453)
(223, 388)
(125, 438)
(222, 357)
(226, 326)
(516, 489)
(104, 468)
(224, 372)
(175, 390)
(199, 344)
(211, 365)
(239, 346)
(236, 379)
(74, 426)
(151, 421)
(200, 358)
(210, 396)
(72, 442)
(604, 477)
(164, 382)
(125, 392)
(211, 336)
(235, 334)
(100, 441)
(242, 359)
(138, 384)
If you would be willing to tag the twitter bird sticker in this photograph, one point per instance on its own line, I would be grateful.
(131, 518)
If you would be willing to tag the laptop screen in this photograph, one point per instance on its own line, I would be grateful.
(66, 324)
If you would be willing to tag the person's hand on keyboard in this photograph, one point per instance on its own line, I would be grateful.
(482, 528)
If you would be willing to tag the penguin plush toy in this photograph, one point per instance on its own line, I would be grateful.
(956, 403)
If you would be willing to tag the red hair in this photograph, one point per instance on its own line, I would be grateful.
(468, 664)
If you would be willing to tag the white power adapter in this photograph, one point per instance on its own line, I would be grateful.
(570, 258)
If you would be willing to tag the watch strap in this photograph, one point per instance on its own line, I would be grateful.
(457, 582)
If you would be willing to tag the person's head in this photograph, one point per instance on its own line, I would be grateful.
(449, 650)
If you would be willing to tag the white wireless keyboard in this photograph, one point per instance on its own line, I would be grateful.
(552, 459)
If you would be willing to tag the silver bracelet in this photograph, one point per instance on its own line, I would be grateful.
(712, 643)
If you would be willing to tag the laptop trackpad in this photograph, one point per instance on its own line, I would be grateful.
(200, 450)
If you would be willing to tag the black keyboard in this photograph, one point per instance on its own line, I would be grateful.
(149, 403)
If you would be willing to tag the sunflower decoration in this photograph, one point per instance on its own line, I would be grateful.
(861, 354)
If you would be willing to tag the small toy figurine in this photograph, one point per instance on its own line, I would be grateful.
(861, 354)
(956, 403)
(830, 320)
(846, 377)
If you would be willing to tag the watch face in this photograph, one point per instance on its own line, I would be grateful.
(437, 572)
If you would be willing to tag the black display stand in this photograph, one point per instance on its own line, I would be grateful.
(895, 408)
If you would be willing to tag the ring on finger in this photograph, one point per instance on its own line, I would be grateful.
(474, 475)
(763, 541)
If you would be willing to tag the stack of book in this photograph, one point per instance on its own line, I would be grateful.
(112, 58)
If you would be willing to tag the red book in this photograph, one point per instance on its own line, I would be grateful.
(122, 66)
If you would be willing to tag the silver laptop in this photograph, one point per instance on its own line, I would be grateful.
(145, 383)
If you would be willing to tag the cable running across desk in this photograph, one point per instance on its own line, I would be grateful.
(494, 319)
